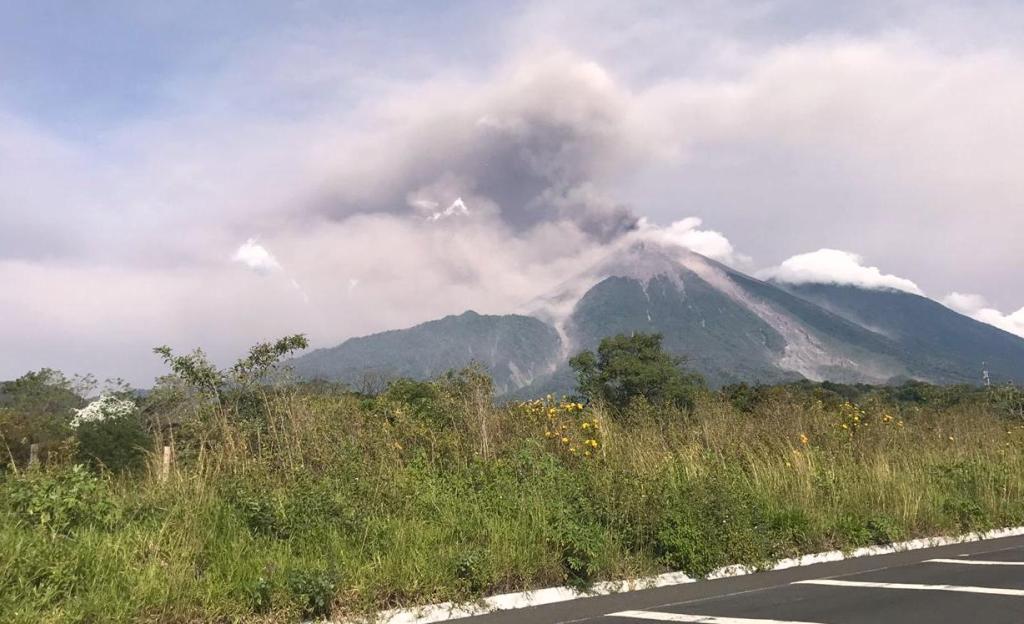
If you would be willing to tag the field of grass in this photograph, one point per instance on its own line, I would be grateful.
(311, 501)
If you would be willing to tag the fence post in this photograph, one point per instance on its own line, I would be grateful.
(33, 455)
(165, 468)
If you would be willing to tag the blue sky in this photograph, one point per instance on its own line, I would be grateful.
(142, 145)
(83, 67)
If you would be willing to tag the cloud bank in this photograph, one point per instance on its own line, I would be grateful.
(977, 307)
(833, 266)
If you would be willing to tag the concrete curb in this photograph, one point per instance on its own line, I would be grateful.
(428, 614)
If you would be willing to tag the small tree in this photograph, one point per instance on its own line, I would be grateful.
(204, 378)
(239, 392)
(629, 367)
(36, 408)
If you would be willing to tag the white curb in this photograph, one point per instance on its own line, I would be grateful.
(518, 600)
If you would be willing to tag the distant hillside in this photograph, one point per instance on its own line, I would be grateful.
(517, 350)
(953, 347)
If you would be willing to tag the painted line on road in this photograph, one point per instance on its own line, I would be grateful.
(976, 562)
(698, 619)
(966, 589)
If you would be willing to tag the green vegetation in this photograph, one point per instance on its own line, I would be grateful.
(288, 500)
(627, 368)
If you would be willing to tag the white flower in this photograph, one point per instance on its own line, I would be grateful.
(106, 407)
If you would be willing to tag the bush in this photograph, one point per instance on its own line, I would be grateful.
(578, 544)
(61, 502)
(110, 434)
(118, 445)
(470, 570)
(961, 485)
(715, 522)
(312, 591)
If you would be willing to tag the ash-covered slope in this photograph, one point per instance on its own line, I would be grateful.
(516, 350)
(729, 326)
(951, 347)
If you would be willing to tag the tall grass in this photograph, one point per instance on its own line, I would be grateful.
(320, 502)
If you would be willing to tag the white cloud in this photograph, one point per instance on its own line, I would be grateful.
(977, 307)
(687, 233)
(964, 303)
(833, 266)
(256, 257)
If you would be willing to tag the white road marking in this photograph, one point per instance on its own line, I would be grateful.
(699, 619)
(967, 589)
(976, 562)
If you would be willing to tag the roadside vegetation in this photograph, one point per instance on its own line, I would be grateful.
(282, 501)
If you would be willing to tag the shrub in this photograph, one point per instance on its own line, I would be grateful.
(312, 591)
(63, 501)
(713, 522)
(470, 570)
(961, 487)
(578, 545)
(111, 434)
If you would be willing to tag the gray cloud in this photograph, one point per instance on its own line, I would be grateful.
(530, 146)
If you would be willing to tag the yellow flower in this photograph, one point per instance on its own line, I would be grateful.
(803, 439)
(586, 453)
(565, 440)
(844, 426)
(585, 425)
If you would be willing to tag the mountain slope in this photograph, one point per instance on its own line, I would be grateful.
(729, 326)
(516, 350)
(954, 347)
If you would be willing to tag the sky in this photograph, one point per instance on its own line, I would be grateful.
(218, 173)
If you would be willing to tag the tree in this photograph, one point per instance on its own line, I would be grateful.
(242, 385)
(629, 367)
(36, 408)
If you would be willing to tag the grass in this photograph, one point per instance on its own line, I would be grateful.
(328, 503)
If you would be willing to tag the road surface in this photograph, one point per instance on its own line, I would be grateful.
(981, 583)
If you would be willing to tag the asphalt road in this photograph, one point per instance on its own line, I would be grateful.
(980, 583)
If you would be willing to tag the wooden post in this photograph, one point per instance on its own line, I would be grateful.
(33, 455)
(165, 468)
